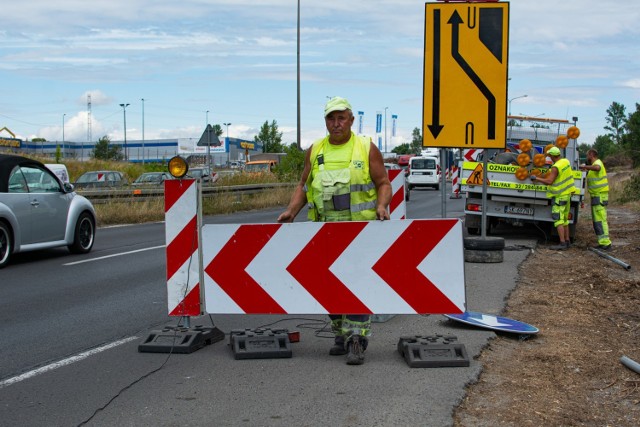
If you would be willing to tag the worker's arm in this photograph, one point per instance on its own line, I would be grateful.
(380, 178)
(586, 167)
(553, 173)
(299, 196)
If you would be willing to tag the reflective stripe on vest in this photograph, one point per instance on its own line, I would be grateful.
(597, 181)
(362, 191)
(564, 182)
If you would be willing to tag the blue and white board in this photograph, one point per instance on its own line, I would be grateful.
(495, 323)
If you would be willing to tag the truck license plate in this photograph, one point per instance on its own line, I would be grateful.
(518, 210)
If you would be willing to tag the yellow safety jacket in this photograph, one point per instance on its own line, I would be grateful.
(564, 183)
(339, 187)
(597, 181)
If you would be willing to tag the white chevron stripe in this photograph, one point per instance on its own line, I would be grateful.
(444, 266)
(397, 185)
(184, 279)
(214, 238)
(270, 271)
(179, 215)
(353, 267)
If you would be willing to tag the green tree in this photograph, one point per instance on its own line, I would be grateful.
(402, 149)
(104, 150)
(616, 119)
(291, 165)
(604, 145)
(631, 139)
(416, 142)
(217, 129)
(270, 138)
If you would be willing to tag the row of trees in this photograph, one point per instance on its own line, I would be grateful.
(623, 138)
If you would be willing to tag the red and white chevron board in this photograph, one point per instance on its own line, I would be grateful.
(397, 207)
(471, 154)
(382, 267)
(181, 237)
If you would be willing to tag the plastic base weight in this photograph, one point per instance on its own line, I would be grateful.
(180, 340)
(434, 351)
(260, 344)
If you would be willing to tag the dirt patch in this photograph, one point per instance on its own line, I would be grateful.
(587, 310)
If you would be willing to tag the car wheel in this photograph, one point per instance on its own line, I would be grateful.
(84, 235)
(437, 187)
(5, 244)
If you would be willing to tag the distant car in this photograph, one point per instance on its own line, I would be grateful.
(151, 179)
(100, 179)
(39, 211)
(203, 174)
(389, 166)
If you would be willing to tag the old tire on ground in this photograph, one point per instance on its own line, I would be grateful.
(479, 256)
(489, 243)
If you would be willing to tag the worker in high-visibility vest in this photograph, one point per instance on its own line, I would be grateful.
(344, 179)
(598, 186)
(560, 185)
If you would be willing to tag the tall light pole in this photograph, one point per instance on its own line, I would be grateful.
(63, 134)
(124, 113)
(385, 129)
(512, 99)
(228, 145)
(298, 77)
(142, 99)
(208, 163)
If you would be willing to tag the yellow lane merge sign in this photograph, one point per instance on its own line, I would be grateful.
(465, 74)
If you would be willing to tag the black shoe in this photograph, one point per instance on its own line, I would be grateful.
(560, 247)
(337, 350)
(355, 354)
(603, 247)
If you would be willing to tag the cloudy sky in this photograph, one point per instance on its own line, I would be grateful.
(236, 59)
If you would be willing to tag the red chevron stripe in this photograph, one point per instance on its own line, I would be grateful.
(398, 267)
(190, 304)
(228, 269)
(396, 200)
(311, 268)
(182, 247)
(174, 189)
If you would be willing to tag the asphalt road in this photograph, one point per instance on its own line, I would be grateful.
(71, 325)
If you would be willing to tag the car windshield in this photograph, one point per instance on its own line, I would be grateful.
(149, 177)
(423, 164)
(257, 167)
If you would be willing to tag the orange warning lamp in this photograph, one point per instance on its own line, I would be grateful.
(573, 132)
(178, 167)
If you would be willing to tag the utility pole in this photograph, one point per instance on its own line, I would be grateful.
(124, 113)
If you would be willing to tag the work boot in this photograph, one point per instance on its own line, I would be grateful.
(355, 355)
(560, 247)
(603, 247)
(338, 350)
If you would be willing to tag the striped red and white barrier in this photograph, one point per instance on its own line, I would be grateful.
(397, 207)
(455, 183)
(181, 237)
(359, 267)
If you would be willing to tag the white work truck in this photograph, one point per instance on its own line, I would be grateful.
(511, 195)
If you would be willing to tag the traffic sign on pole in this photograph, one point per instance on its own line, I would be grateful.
(465, 74)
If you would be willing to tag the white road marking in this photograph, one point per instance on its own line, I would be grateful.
(64, 362)
(114, 255)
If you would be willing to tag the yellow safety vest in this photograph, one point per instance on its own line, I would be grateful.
(597, 181)
(564, 182)
(339, 187)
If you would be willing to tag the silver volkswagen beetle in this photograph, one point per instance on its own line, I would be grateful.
(38, 211)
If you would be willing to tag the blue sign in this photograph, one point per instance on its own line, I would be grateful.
(495, 323)
(379, 123)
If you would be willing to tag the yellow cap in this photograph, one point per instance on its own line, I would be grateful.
(336, 104)
(553, 151)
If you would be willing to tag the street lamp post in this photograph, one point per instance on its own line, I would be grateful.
(63, 134)
(228, 145)
(142, 99)
(512, 99)
(208, 163)
(124, 113)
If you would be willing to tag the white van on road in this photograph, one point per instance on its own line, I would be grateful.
(424, 171)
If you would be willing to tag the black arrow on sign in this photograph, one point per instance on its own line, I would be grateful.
(455, 22)
(435, 127)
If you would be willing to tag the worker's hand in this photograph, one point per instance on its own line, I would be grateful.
(382, 213)
(286, 216)
(533, 177)
(583, 167)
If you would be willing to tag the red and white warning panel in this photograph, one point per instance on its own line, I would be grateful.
(382, 267)
(181, 236)
(397, 207)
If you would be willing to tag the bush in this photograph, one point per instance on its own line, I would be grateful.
(617, 160)
(631, 191)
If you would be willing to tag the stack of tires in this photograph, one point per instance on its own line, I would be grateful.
(483, 249)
